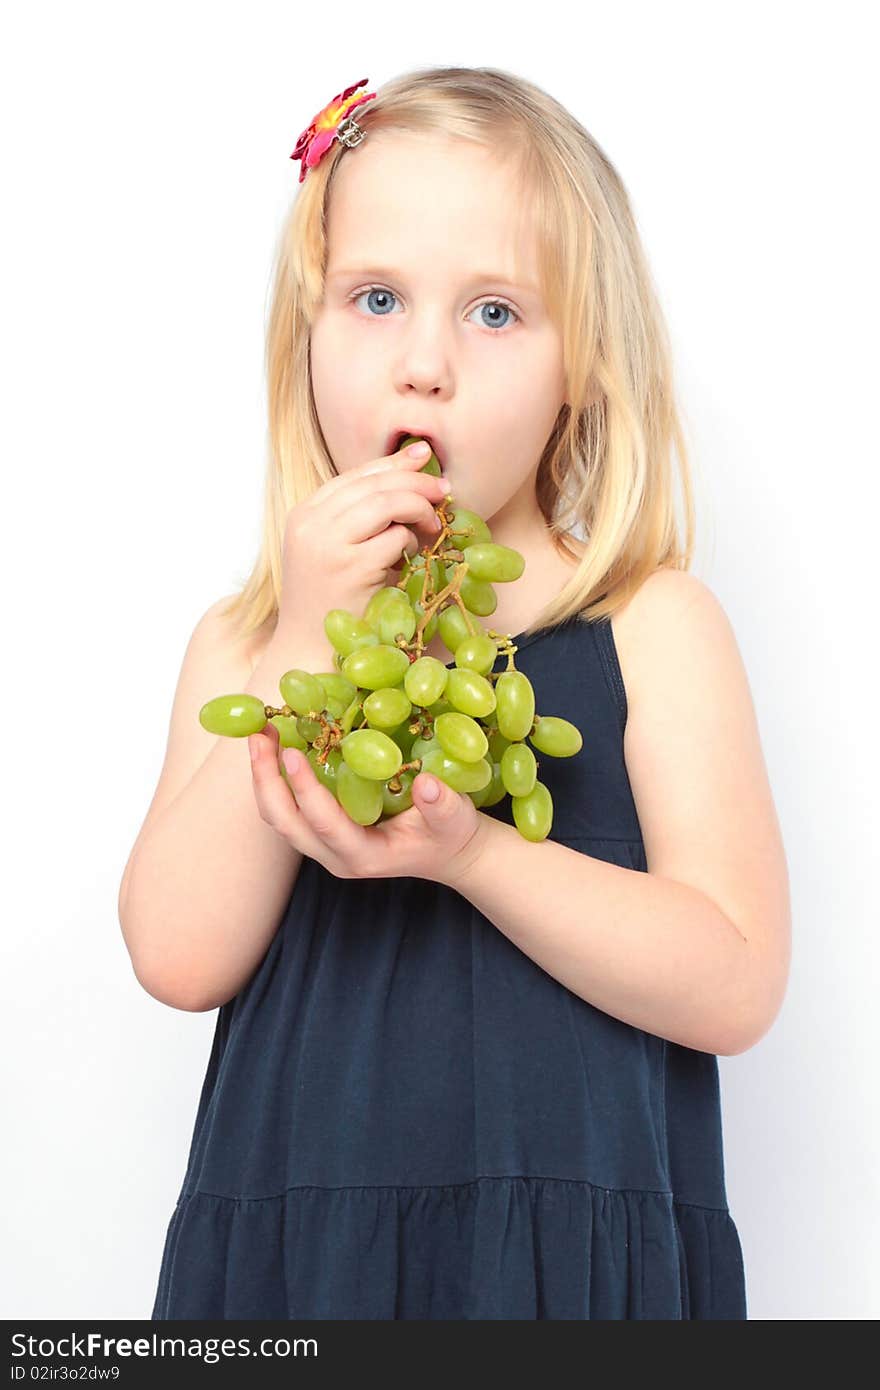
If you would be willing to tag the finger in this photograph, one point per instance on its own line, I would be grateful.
(370, 516)
(402, 458)
(393, 480)
(333, 827)
(361, 489)
(385, 551)
(399, 464)
(274, 798)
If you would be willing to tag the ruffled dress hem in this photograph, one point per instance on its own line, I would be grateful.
(492, 1248)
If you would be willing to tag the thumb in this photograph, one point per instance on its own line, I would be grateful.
(434, 798)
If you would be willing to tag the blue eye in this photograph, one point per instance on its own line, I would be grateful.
(381, 293)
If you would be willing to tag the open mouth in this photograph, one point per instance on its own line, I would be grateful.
(396, 439)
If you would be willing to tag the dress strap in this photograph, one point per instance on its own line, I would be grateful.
(611, 666)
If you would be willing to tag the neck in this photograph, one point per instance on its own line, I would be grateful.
(520, 524)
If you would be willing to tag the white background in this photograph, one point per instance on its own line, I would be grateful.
(145, 176)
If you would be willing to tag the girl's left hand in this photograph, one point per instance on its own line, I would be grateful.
(436, 839)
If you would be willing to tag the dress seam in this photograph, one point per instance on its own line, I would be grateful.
(610, 839)
(421, 1187)
(610, 662)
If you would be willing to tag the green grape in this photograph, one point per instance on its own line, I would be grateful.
(477, 654)
(302, 692)
(233, 715)
(307, 728)
(519, 769)
(379, 601)
(430, 626)
(337, 687)
(396, 620)
(479, 797)
(371, 754)
(386, 708)
(461, 777)
(395, 802)
(516, 705)
(433, 464)
(497, 563)
(497, 743)
(347, 633)
(373, 668)
(461, 737)
(360, 797)
(470, 693)
(558, 738)
(453, 628)
(335, 707)
(462, 519)
(496, 789)
(415, 577)
(425, 680)
(404, 740)
(533, 814)
(288, 734)
(327, 772)
(478, 596)
(441, 706)
(414, 584)
(421, 746)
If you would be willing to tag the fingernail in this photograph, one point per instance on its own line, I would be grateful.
(418, 451)
(253, 749)
(292, 760)
(431, 789)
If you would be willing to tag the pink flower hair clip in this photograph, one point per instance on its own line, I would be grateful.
(333, 122)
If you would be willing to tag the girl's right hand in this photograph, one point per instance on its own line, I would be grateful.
(341, 542)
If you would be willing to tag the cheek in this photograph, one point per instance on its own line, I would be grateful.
(335, 364)
(328, 374)
(326, 347)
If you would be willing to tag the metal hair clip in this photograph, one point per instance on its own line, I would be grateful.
(333, 122)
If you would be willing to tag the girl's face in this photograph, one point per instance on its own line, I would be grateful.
(418, 329)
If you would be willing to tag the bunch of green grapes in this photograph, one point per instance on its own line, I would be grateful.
(389, 711)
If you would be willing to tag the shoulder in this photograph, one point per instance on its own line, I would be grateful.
(657, 616)
(218, 627)
(217, 654)
(666, 591)
(677, 650)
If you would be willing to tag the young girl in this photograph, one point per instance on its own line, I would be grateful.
(457, 1074)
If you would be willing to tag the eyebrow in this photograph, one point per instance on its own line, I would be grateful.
(386, 273)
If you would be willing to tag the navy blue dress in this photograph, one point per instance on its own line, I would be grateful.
(404, 1116)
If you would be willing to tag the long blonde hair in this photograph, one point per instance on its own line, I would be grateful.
(607, 466)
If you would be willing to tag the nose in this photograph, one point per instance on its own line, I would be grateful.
(425, 364)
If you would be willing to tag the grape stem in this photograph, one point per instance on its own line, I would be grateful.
(348, 717)
(506, 647)
(430, 602)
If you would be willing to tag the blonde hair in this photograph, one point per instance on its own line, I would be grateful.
(607, 465)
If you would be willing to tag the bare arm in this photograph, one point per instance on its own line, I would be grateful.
(697, 949)
(208, 879)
